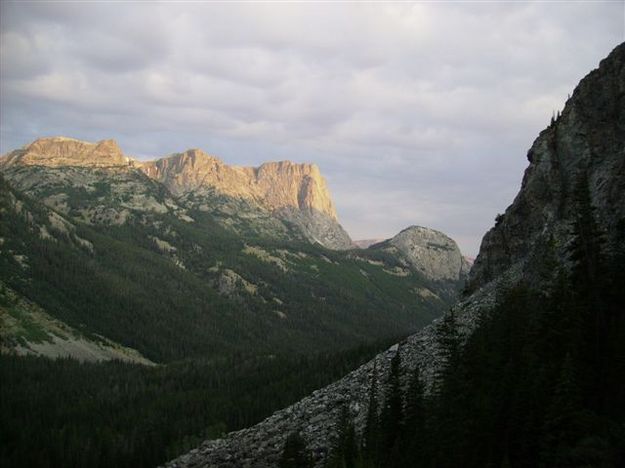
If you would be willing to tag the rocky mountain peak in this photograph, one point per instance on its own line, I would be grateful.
(296, 193)
(305, 187)
(64, 151)
(585, 140)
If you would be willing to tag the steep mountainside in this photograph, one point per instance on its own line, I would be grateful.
(586, 143)
(225, 292)
(583, 145)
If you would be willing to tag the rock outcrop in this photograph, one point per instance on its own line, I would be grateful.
(63, 151)
(296, 193)
(431, 252)
(587, 140)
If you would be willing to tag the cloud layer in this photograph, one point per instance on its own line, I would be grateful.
(416, 113)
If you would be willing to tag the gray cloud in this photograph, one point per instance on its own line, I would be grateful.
(417, 113)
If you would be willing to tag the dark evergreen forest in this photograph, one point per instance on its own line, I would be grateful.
(62, 413)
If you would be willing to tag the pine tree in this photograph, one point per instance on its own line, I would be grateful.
(295, 454)
(344, 452)
(585, 250)
(561, 421)
(588, 280)
(392, 412)
(448, 338)
(415, 407)
(371, 435)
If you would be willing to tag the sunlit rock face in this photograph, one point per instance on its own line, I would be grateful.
(295, 193)
(274, 184)
(63, 151)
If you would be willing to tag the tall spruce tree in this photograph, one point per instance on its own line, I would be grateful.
(295, 454)
(391, 416)
(371, 434)
(344, 452)
(448, 339)
(586, 248)
(588, 279)
(414, 419)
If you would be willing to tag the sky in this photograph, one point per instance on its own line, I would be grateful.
(417, 113)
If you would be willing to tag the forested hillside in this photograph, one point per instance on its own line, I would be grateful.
(175, 290)
(64, 413)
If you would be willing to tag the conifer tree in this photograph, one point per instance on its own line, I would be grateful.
(561, 421)
(392, 412)
(415, 407)
(589, 286)
(448, 338)
(585, 250)
(295, 454)
(371, 435)
(344, 452)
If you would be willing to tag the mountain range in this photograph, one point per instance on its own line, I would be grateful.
(212, 258)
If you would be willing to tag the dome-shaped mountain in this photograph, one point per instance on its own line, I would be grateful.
(430, 252)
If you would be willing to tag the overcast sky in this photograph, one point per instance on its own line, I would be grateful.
(416, 113)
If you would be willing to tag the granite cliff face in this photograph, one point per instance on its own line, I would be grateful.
(277, 199)
(587, 140)
(296, 193)
(274, 184)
